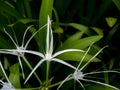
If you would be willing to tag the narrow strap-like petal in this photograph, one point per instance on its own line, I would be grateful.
(21, 67)
(80, 84)
(63, 62)
(92, 58)
(104, 84)
(33, 36)
(109, 71)
(83, 57)
(9, 51)
(4, 72)
(39, 63)
(11, 38)
(31, 52)
(51, 41)
(66, 79)
(23, 39)
(1, 82)
(67, 50)
(48, 35)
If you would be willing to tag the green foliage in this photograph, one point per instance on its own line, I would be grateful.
(111, 21)
(117, 3)
(15, 75)
(76, 24)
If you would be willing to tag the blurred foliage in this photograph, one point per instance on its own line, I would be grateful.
(76, 24)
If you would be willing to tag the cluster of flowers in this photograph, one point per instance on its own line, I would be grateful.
(48, 56)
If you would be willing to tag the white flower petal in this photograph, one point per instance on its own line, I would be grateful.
(80, 84)
(92, 58)
(33, 36)
(109, 71)
(23, 40)
(48, 35)
(21, 66)
(66, 79)
(63, 62)
(39, 63)
(67, 50)
(4, 72)
(11, 38)
(83, 57)
(104, 84)
(8, 52)
(31, 52)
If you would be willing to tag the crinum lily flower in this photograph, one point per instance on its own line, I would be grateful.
(18, 48)
(5, 85)
(79, 75)
(49, 56)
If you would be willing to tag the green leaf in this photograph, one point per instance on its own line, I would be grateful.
(77, 56)
(90, 8)
(56, 15)
(81, 27)
(4, 43)
(15, 75)
(82, 43)
(111, 21)
(9, 10)
(58, 30)
(102, 9)
(73, 38)
(61, 6)
(111, 33)
(45, 10)
(28, 9)
(24, 21)
(98, 31)
(98, 87)
(117, 3)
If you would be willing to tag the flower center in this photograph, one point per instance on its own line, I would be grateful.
(20, 48)
(78, 75)
(48, 56)
(7, 86)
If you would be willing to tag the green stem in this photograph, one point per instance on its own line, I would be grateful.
(47, 73)
(32, 69)
(74, 85)
(37, 88)
(55, 84)
(105, 74)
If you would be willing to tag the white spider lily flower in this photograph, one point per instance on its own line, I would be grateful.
(18, 48)
(5, 85)
(79, 75)
(49, 56)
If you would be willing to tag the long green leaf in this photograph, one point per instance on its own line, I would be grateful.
(76, 56)
(80, 27)
(90, 8)
(9, 10)
(104, 6)
(73, 38)
(45, 10)
(98, 87)
(61, 7)
(82, 43)
(28, 9)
